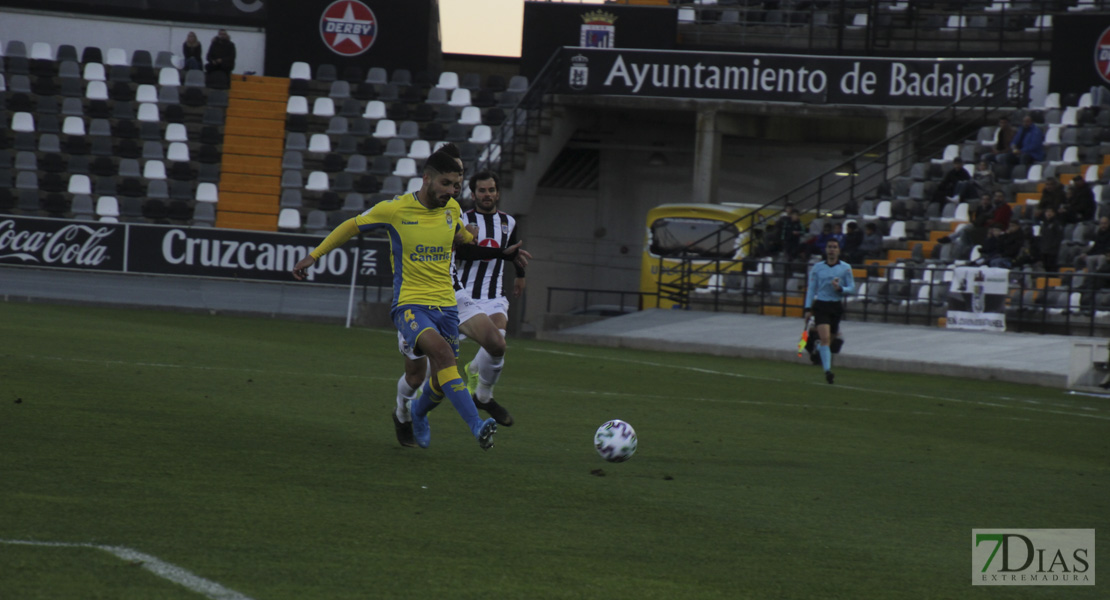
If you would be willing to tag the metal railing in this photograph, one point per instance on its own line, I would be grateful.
(1063, 303)
(1019, 28)
(844, 186)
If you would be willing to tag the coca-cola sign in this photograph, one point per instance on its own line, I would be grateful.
(62, 244)
(200, 252)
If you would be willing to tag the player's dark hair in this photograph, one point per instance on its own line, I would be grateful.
(444, 160)
(482, 176)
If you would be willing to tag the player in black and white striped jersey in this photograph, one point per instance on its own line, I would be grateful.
(485, 279)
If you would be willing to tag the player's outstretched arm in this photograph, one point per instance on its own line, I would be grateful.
(300, 270)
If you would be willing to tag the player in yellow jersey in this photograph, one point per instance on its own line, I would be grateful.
(422, 227)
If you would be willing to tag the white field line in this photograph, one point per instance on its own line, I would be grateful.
(159, 567)
(1011, 406)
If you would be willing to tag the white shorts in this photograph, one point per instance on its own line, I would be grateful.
(468, 306)
(491, 307)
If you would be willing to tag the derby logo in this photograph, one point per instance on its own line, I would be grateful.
(348, 27)
(1102, 55)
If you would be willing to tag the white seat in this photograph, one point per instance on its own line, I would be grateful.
(859, 20)
(169, 77)
(1070, 157)
(317, 182)
(323, 107)
(406, 167)
(420, 149)
(207, 192)
(471, 115)
(1034, 175)
(414, 185)
(116, 56)
(897, 231)
(491, 155)
(962, 212)
(1041, 22)
(448, 80)
(951, 152)
(73, 126)
(289, 219)
(319, 142)
(882, 209)
(107, 206)
(94, 72)
(146, 93)
(296, 105)
(178, 152)
(154, 169)
(41, 51)
(955, 22)
(23, 121)
(460, 97)
(386, 128)
(96, 90)
(1092, 174)
(1086, 100)
(79, 184)
(148, 112)
(1052, 100)
(1052, 136)
(300, 70)
(687, 15)
(176, 132)
(1070, 117)
(482, 134)
(375, 109)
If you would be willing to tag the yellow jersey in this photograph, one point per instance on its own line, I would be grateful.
(420, 241)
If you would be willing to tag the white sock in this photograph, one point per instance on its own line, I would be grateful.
(405, 394)
(489, 371)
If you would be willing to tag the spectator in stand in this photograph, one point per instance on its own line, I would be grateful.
(1051, 197)
(1028, 144)
(193, 52)
(792, 230)
(949, 186)
(1002, 212)
(872, 245)
(1094, 256)
(829, 231)
(1003, 137)
(1050, 239)
(221, 53)
(1080, 204)
(982, 182)
(1002, 247)
(853, 239)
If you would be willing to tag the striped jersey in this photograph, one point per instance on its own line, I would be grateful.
(485, 278)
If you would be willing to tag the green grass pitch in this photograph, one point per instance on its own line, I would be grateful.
(259, 454)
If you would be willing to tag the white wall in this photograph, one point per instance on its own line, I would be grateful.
(131, 35)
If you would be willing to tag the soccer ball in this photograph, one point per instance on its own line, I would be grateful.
(615, 441)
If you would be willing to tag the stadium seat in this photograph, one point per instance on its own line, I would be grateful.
(169, 76)
(356, 163)
(326, 73)
(319, 143)
(207, 192)
(460, 98)
(291, 198)
(176, 132)
(148, 112)
(107, 206)
(154, 169)
(471, 115)
(481, 134)
(116, 56)
(204, 214)
(317, 182)
(292, 159)
(23, 121)
(158, 188)
(340, 90)
(289, 219)
(178, 152)
(79, 184)
(406, 167)
(297, 105)
(386, 128)
(517, 84)
(420, 150)
(300, 70)
(323, 107)
(408, 130)
(448, 80)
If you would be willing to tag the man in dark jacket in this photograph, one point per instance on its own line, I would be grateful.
(221, 53)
